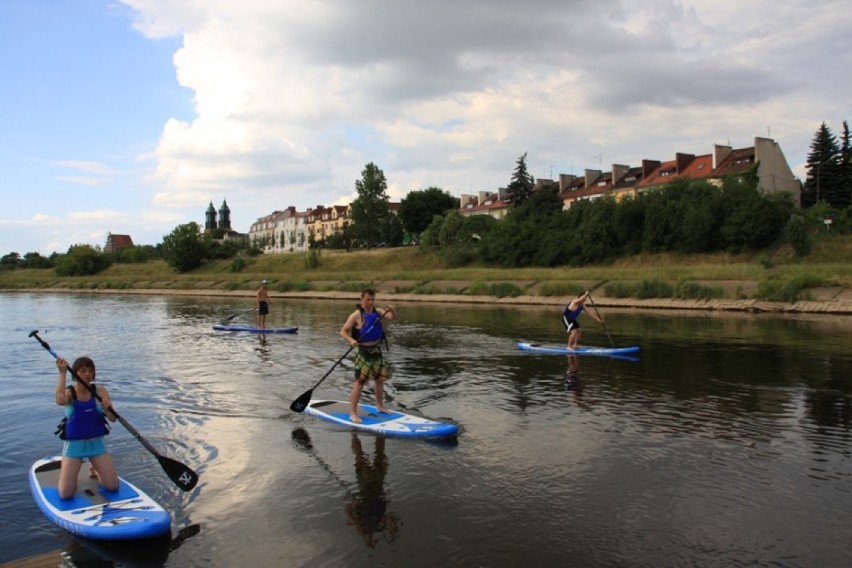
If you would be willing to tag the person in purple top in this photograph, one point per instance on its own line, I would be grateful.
(570, 318)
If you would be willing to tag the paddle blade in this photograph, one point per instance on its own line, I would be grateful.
(182, 475)
(302, 402)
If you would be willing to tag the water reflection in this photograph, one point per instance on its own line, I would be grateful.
(367, 504)
(367, 510)
(263, 348)
(85, 553)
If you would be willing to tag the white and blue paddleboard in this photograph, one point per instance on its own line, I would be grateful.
(254, 329)
(392, 423)
(95, 512)
(559, 350)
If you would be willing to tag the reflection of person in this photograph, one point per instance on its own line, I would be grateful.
(363, 330)
(572, 375)
(84, 427)
(262, 304)
(570, 316)
(367, 508)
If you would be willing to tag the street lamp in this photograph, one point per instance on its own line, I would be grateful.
(818, 167)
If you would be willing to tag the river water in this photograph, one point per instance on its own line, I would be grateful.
(727, 442)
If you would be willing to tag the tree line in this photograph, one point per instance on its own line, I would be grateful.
(683, 217)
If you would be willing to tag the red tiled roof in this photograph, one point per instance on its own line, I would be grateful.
(119, 241)
(737, 162)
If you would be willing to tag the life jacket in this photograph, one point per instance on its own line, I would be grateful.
(86, 420)
(371, 328)
(571, 315)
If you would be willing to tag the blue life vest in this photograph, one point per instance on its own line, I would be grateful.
(570, 316)
(371, 329)
(85, 421)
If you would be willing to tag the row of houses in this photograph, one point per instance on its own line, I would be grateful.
(292, 231)
(621, 181)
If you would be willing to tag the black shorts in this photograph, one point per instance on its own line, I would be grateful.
(263, 309)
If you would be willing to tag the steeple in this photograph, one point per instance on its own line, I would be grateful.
(210, 222)
(224, 216)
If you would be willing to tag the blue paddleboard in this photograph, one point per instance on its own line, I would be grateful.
(94, 512)
(253, 329)
(393, 423)
(558, 350)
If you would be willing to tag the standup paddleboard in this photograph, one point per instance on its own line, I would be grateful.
(393, 423)
(558, 350)
(95, 512)
(253, 329)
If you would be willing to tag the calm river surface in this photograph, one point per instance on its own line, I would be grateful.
(727, 443)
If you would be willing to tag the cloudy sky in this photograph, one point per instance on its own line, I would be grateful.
(131, 116)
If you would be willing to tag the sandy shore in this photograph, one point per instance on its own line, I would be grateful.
(826, 301)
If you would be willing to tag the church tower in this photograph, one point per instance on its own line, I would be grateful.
(224, 216)
(210, 223)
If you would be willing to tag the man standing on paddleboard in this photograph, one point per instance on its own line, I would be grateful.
(262, 304)
(363, 331)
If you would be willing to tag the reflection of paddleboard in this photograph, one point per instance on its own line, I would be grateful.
(556, 350)
(94, 512)
(394, 423)
(253, 329)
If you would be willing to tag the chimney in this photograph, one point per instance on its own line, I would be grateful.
(591, 176)
(618, 172)
(719, 154)
(683, 161)
(648, 167)
(565, 180)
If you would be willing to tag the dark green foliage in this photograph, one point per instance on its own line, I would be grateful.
(798, 236)
(10, 261)
(475, 226)
(522, 186)
(135, 254)
(417, 209)
(185, 248)
(35, 260)
(81, 260)
(825, 172)
(684, 217)
(370, 215)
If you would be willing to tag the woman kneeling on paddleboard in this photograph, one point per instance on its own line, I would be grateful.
(363, 329)
(83, 428)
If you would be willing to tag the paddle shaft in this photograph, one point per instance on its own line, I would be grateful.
(592, 300)
(183, 476)
(302, 402)
(227, 320)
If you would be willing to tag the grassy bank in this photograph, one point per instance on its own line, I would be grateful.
(417, 271)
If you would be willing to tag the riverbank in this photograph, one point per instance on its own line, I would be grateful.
(769, 281)
(827, 300)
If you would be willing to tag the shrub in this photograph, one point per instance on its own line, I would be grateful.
(560, 289)
(693, 290)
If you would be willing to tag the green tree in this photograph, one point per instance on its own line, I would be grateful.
(844, 198)
(10, 261)
(185, 248)
(823, 164)
(81, 260)
(522, 185)
(418, 207)
(370, 213)
(35, 260)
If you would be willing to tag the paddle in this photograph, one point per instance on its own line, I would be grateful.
(592, 300)
(180, 474)
(228, 320)
(303, 401)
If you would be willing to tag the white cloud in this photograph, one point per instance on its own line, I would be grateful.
(292, 99)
